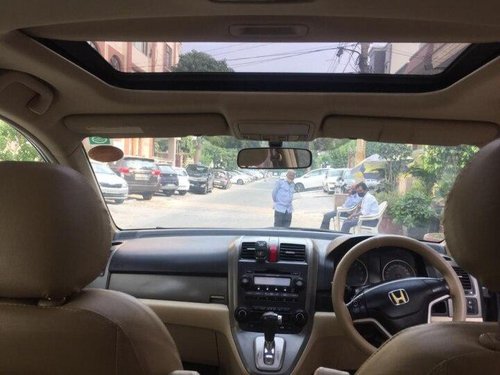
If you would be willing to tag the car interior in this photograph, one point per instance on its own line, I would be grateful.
(85, 292)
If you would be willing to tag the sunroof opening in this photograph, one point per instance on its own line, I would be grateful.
(339, 58)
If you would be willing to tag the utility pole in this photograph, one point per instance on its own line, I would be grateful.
(363, 68)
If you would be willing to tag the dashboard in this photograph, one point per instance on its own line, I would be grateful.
(252, 272)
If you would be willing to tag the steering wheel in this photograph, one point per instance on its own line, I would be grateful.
(397, 304)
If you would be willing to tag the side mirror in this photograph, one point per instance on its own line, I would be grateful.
(274, 158)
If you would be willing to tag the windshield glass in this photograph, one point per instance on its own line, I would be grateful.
(393, 188)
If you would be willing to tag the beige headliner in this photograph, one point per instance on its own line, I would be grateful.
(470, 109)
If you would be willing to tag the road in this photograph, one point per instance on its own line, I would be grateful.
(246, 206)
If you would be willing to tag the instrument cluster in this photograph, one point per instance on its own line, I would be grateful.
(384, 264)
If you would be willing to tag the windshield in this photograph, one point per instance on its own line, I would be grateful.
(393, 188)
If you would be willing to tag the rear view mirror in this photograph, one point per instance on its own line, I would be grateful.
(274, 158)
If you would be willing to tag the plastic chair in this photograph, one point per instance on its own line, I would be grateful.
(360, 228)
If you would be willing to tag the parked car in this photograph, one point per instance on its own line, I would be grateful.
(183, 180)
(169, 180)
(201, 178)
(239, 178)
(222, 179)
(113, 188)
(338, 179)
(311, 180)
(142, 175)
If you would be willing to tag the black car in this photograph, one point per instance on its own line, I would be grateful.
(169, 180)
(222, 179)
(201, 178)
(141, 174)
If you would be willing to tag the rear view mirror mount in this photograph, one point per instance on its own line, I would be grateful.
(274, 158)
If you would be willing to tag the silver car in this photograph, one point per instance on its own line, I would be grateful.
(113, 187)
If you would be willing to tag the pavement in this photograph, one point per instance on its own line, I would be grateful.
(241, 206)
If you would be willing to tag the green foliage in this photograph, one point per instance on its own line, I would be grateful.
(14, 146)
(391, 197)
(437, 167)
(195, 61)
(413, 209)
(334, 153)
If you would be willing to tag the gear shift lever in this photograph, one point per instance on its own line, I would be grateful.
(270, 323)
(269, 350)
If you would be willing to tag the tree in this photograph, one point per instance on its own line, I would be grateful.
(195, 61)
(14, 146)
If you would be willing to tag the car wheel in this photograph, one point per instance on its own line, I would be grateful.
(183, 192)
(119, 201)
(168, 193)
(240, 182)
(299, 187)
(147, 196)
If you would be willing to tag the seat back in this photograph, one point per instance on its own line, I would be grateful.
(54, 243)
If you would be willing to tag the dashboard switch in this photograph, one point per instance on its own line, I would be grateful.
(273, 254)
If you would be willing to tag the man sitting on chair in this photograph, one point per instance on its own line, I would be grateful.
(352, 201)
(368, 206)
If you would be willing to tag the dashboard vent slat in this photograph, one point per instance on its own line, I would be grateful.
(292, 252)
(247, 250)
(464, 278)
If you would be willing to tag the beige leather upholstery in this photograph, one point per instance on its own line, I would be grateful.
(471, 227)
(56, 237)
(435, 349)
(472, 217)
(55, 232)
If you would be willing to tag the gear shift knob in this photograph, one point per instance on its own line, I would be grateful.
(270, 323)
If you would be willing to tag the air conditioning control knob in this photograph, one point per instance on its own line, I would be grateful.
(245, 282)
(299, 283)
(241, 314)
(300, 318)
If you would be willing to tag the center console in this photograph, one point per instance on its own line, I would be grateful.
(271, 295)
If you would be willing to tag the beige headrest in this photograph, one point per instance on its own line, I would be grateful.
(472, 217)
(55, 233)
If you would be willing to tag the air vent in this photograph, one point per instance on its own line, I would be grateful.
(292, 252)
(464, 279)
(247, 250)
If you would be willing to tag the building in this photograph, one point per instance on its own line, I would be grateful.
(136, 57)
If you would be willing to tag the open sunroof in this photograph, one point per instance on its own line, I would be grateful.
(328, 67)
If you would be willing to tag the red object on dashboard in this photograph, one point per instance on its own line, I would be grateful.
(273, 253)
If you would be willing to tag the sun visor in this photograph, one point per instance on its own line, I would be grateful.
(158, 125)
(414, 131)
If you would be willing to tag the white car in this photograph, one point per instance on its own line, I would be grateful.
(239, 178)
(113, 187)
(183, 180)
(338, 179)
(311, 180)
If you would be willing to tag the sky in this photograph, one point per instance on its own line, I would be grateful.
(281, 57)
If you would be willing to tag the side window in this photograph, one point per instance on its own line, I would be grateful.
(14, 146)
